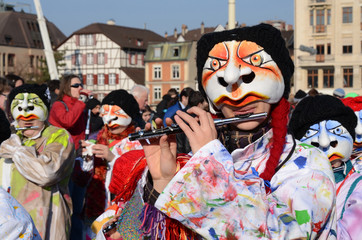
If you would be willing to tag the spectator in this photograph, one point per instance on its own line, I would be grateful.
(313, 92)
(14, 80)
(196, 99)
(323, 121)
(68, 111)
(5, 89)
(39, 162)
(167, 101)
(140, 93)
(148, 115)
(96, 122)
(339, 93)
(53, 86)
(180, 105)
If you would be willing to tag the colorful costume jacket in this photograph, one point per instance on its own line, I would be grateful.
(349, 207)
(220, 196)
(15, 221)
(37, 171)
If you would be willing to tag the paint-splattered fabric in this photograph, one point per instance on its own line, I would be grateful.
(349, 207)
(220, 196)
(37, 172)
(15, 221)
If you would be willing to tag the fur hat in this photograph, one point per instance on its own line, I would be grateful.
(40, 90)
(124, 100)
(312, 110)
(264, 35)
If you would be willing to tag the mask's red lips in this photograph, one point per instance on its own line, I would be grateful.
(249, 98)
(27, 118)
(335, 156)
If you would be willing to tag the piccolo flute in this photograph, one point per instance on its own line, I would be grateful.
(174, 128)
(26, 128)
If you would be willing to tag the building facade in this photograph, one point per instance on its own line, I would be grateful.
(107, 57)
(334, 30)
(21, 45)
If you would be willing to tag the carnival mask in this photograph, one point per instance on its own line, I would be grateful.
(28, 106)
(114, 116)
(332, 138)
(238, 73)
(358, 140)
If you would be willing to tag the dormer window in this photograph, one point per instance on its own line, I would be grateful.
(139, 42)
(157, 52)
(175, 51)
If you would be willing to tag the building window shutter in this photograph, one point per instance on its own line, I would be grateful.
(95, 58)
(95, 79)
(73, 59)
(84, 79)
(129, 58)
(136, 58)
(94, 39)
(143, 59)
(105, 58)
(84, 59)
(117, 78)
(106, 79)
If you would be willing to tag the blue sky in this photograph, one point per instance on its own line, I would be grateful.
(159, 16)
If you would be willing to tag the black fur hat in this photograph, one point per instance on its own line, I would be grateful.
(312, 110)
(40, 90)
(124, 100)
(264, 35)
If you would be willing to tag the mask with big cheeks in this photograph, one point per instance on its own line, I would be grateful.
(358, 140)
(238, 73)
(114, 116)
(28, 106)
(332, 138)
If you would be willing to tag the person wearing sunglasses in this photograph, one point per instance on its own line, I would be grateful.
(68, 111)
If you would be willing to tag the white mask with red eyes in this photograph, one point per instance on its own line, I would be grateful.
(114, 116)
(238, 73)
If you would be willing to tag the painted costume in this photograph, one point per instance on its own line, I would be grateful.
(15, 221)
(324, 122)
(36, 170)
(271, 188)
(118, 109)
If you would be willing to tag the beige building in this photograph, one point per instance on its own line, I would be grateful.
(334, 30)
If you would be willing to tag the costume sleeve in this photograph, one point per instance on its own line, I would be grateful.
(348, 226)
(209, 196)
(50, 164)
(64, 118)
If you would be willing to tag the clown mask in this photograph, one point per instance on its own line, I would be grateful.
(240, 73)
(115, 118)
(27, 107)
(333, 139)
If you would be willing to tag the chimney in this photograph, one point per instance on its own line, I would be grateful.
(111, 22)
(231, 22)
(183, 29)
(166, 35)
(175, 33)
(186, 29)
(202, 28)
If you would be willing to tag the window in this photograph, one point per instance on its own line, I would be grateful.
(328, 16)
(328, 78)
(347, 49)
(139, 42)
(313, 78)
(100, 58)
(329, 51)
(157, 93)
(319, 1)
(112, 79)
(157, 52)
(31, 63)
(11, 60)
(82, 40)
(157, 72)
(90, 41)
(311, 17)
(175, 71)
(320, 53)
(89, 58)
(90, 80)
(175, 51)
(347, 14)
(100, 96)
(348, 77)
(78, 59)
(361, 18)
(101, 79)
(320, 21)
(133, 58)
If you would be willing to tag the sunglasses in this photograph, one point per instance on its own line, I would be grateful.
(77, 85)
